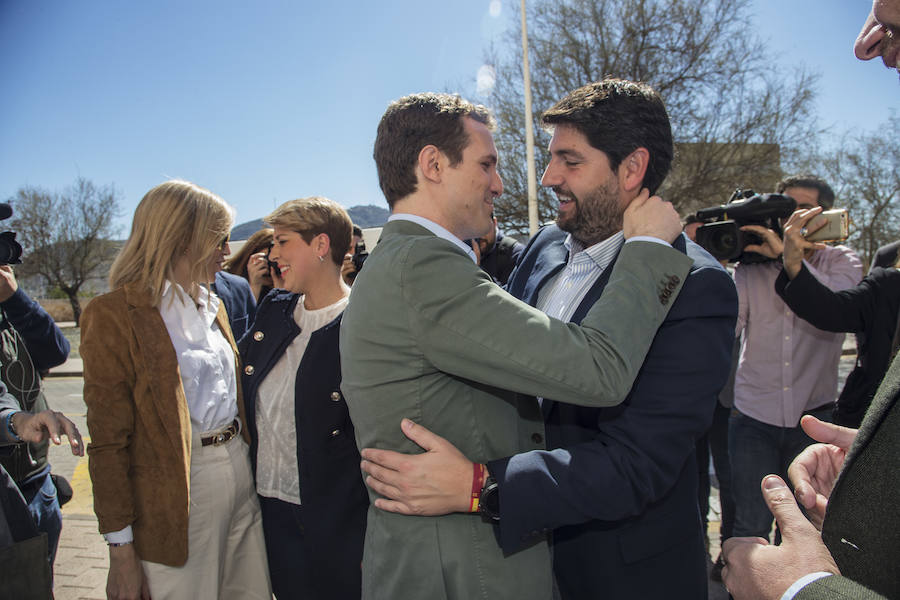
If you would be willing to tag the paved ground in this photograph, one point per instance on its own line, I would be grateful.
(82, 559)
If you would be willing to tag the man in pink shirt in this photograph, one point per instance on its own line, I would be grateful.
(787, 368)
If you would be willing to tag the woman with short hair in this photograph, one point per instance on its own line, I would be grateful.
(307, 465)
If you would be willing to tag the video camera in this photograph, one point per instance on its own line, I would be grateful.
(721, 233)
(10, 249)
(360, 254)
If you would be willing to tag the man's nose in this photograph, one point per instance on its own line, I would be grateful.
(497, 185)
(550, 178)
(868, 42)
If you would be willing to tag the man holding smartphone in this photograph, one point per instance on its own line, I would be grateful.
(788, 368)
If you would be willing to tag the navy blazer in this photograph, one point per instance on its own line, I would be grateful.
(334, 497)
(238, 299)
(618, 486)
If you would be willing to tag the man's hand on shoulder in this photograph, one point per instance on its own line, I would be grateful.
(651, 216)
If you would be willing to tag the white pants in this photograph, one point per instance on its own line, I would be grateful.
(226, 549)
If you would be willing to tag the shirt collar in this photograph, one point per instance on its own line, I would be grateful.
(436, 230)
(207, 303)
(601, 253)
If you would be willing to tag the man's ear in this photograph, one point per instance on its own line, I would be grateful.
(431, 163)
(632, 170)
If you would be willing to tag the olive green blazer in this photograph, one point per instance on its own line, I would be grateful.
(862, 523)
(427, 335)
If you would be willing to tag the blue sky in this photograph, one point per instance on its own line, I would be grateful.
(267, 101)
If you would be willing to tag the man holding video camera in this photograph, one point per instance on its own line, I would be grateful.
(788, 368)
(30, 344)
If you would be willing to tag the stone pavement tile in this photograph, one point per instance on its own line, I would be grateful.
(92, 577)
(82, 560)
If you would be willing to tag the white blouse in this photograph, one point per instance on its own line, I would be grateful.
(277, 470)
(205, 357)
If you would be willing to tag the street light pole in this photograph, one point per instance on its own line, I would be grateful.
(529, 133)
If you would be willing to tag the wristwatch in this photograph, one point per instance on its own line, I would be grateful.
(489, 502)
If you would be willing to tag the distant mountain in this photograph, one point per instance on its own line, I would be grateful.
(364, 216)
(245, 230)
(368, 215)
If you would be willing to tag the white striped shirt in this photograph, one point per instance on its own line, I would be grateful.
(560, 296)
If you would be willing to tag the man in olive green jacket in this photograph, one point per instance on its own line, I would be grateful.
(427, 335)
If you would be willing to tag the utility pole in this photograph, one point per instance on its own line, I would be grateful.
(529, 133)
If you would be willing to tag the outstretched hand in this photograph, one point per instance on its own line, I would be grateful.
(815, 470)
(651, 216)
(758, 571)
(437, 482)
(48, 424)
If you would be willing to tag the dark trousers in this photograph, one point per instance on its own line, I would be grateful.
(300, 568)
(715, 443)
(758, 449)
(40, 495)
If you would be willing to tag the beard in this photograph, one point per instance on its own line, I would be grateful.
(597, 214)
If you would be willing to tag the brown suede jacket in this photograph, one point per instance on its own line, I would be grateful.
(140, 427)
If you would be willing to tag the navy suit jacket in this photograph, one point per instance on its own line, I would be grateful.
(238, 299)
(618, 486)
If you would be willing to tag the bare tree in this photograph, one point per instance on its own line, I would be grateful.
(864, 170)
(66, 237)
(735, 116)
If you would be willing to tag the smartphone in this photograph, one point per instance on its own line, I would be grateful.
(836, 229)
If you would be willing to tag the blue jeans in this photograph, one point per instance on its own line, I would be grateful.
(40, 495)
(758, 449)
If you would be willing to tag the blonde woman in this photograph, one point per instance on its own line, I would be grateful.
(173, 490)
(307, 466)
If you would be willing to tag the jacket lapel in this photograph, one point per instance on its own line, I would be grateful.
(225, 326)
(884, 400)
(159, 359)
(551, 259)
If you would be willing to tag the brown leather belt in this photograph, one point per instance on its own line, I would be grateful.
(223, 436)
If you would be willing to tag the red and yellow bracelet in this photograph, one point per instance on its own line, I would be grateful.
(477, 479)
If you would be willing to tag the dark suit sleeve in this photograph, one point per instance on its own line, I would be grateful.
(836, 587)
(636, 456)
(239, 302)
(8, 404)
(885, 256)
(843, 311)
(46, 344)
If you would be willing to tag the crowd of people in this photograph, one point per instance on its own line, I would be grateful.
(478, 418)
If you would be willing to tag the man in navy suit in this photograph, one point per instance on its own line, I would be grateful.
(239, 302)
(617, 486)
